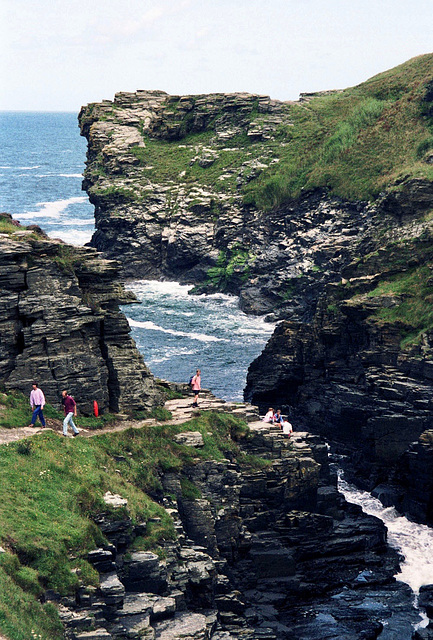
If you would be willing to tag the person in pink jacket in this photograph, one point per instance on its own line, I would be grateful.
(196, 386)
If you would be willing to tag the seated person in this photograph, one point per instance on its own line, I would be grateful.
(269, 416)
(278, 418)
(287, 428)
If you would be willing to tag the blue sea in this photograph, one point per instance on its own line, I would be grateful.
(41, 166)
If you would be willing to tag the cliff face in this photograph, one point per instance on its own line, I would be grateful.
(265, 199)
(187, 218)
(317, 213)
(61, 325)
(263, 553)
(361, 373)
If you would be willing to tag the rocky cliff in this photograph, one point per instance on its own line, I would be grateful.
(317, 213)
(61, 324)
(361, 372)
(265, 199)
(263, 553)
(189, 220)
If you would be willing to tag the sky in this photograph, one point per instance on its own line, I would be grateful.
(57, 55)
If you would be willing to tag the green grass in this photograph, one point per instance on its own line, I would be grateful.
(406, 268)
(22, 616)
(7, 227)
(52, 488)
(15, 412)
(67, 258)
(232, 265)
(164, 161)
(355, 143)
(13, 230)
(415, 310)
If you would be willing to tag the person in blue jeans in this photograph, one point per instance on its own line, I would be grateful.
(37, 403)
(70, 408)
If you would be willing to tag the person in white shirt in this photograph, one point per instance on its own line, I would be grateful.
(37, 403)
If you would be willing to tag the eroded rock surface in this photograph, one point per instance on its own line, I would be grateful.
(267, 552)
(61, 325)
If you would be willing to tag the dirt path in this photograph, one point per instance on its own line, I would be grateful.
(181, 410)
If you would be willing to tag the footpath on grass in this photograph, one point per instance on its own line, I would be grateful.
(181, 410)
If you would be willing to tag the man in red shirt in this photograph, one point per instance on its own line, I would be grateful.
(70, 407)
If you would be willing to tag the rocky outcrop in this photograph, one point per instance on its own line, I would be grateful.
(61, 325)
(353, 376)
(265, 553)
(197, 227)
(168, 176)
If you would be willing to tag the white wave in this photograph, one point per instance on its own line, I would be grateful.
(165, 288)
(414, 541)
(72, 236)
(36, 166)
(5, 167)
(245, 324)
(55, 175)
(149, 325)
(176, 312)
(50, 209)
(70, 175)
(169, 353)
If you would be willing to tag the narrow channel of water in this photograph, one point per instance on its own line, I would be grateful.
(177, 333)
(412, 540)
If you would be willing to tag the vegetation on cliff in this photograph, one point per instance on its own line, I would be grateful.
(357, 142)
(61, 483)
(354, 143)
(392, 286)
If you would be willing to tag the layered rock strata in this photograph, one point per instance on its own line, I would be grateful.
(181, 226)
(61, 325)
(263, 554)
(351, 375)
(167, 175)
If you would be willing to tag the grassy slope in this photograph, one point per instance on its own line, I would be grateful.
(403, 295)
(355, 143)
(51, 487)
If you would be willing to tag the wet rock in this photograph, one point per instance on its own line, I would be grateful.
(425, 600)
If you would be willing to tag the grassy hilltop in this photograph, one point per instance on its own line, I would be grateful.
(356, 142)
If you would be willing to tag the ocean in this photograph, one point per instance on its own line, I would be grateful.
(41, 166)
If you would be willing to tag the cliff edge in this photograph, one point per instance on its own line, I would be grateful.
(316, 212)
(61, 324)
